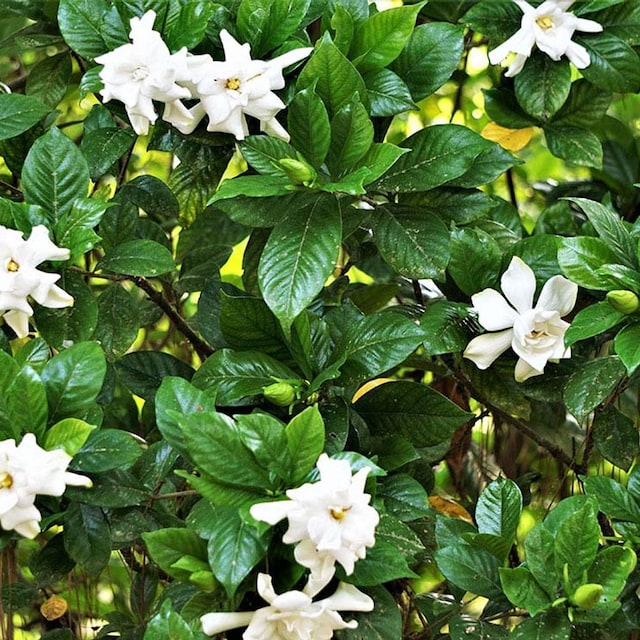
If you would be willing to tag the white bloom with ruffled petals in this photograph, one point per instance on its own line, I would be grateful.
(28, 470)
(535, 333)
(292, 615)
(549, 27)
(145, 70)
(238, 87)
(331, 520)
(19, 278)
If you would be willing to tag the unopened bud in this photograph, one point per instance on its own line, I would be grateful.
(587, 596)
(623, 300)
(282, 394)
(298, 170)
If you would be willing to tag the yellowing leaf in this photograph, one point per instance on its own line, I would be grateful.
(54, 607)
(449, 508)
(510, 139)
(367, 386)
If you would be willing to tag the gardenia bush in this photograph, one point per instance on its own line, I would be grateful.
(320, 319)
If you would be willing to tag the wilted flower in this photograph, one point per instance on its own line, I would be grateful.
(238, 87)
(292, 615)
(26, 471)
(143, 71)
(331, 519)
(20, 279)
(536, 334)
(551, 28)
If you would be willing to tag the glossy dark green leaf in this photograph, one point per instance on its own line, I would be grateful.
(81, 24)
(19, 113)
(543, 86)
(615, 436)
(388, 93)
(476, 259)
(580, 257)
(523, 590)
(118, 319)
(498, 509)
(470, 568)
(404, 497)
(305, 436)
(574, 144)
(613, 498)
(383, 623)
(167, 546)
(48, 79)
(627, 346)
(138, 258)
(167, 624)
(552, 625)
(104, 147)
(187, 27)
(585, 105)
(591, 321)
(86, 537)
(351, 137)
(539, 550)
(263, 153)
(107, 449)
(308, 126)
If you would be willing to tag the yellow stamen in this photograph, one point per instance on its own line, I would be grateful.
(6, 481)
(339, 514)
(233, 84)
(544, 22)
(12, 265)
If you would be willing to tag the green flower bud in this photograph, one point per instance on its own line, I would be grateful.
(298, 170)
(587, 596)
(623, 300)
(282, 394)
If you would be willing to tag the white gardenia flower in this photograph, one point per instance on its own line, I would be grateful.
(19, 278)
(26, 471)
(331, 520)
(535, 333)
(143, 71)
(551, 28)
(238, 87)
(292, 615)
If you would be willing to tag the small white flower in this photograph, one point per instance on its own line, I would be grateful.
(143, 71)
(292, 615)
(536, 334)
(26, 471)
(19, 278)
(238, 87)
(551, 28)
(331, 519)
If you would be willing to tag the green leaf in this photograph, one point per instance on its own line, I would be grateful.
(254, 186)
(167, 625)
(585, 106)
(18, 113)
(104, 147)
(438, 154)
(470, 568)
(498, 509)
(266, 24)
(153, 196)
(423, 416)
(574, 144)
(308, 126)
(442, 323)
(551, 625)
(414, 244)
(464, 627)
(591, 384)
(305, 441)
(388, 93)
(168, 546)
(69, 435)
(380, 157)
(138, 258)
(591, 321)
(237, 376)
(298, 258)
(576, 543)
(581, 257)
(263, 153)
(380, 39)
(86, 537)
(351, 136)
(54, 174)
(334, 77)
(74, 229)
(430, 57)
(498, 19)
(613, 498)
(374, 344)
(615, 437)
(503, 108)
(383, 623)
(216, 447)
(539, 553)
(615, 66)
(118, 319)
(188, 27)
(476, 259)
(107, 449)
(543, 86)
(627, 346)
(404, 497)
(81, 23)
(611, 568)
(73, 379)
(234, 548)
(17, 416)
(489, 164)
(48, 79)
(523, 591)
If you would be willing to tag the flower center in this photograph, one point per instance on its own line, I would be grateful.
(140, 73)
(339, 514)
(12, 265)
(6, 481)
(233, 84)
(545, 23)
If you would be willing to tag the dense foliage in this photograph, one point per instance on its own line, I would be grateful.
(338, 317)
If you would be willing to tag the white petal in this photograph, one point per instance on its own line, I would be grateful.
(589, 26)
(558, 294)
(578, 55)
(484, 349)
(494, 313)
(213, 623)
(524, 371)
(348, 598)
(518, 284)
(18, 321)
(77, 480)
(271, 512)
(516, 66)
(273, 128)
(54, 297)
